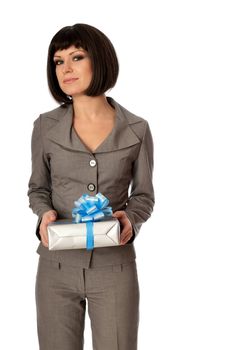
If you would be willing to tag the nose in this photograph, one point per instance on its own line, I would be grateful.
(67, 66)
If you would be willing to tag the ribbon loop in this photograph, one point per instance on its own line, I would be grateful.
(88, 209)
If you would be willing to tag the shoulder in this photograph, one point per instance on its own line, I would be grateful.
(55, 114)
(131, 117)
(137, 123)
(51, 117)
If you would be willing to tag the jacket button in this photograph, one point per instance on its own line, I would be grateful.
(92, 162)
(91, 187)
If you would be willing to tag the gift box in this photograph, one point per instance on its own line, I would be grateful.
(64, 234)
(92, 226)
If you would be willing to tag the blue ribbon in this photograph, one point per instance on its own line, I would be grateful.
(89, 209)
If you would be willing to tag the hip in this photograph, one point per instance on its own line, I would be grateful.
(97, 257)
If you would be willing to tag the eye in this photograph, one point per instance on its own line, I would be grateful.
(78, 57)
(58, 62)
(75, 58)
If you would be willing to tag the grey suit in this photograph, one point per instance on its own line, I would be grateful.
(63, 169)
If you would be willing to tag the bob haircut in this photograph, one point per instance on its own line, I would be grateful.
(102, 54)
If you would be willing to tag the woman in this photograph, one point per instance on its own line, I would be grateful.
(89, 144)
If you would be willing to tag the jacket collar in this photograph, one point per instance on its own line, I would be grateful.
(121, 136)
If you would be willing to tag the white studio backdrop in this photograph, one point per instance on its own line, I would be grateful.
(175, 71)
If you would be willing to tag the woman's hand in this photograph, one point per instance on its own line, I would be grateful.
(48, 216)
(127, 230)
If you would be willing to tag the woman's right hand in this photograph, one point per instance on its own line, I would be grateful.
(48, 216)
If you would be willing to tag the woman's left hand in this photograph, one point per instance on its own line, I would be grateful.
(127, 230)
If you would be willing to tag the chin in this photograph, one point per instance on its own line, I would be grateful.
(73, 92)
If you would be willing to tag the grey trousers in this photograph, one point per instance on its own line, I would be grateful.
(112, 293)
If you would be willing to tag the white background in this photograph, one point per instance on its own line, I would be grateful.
(175, 71)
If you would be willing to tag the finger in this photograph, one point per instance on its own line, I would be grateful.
(44, 235)
(44, 241)
(118, 214)
(124, 241)
(45, 244)
(50, 218)
(53, 216)
(43, 228)
(125, 237)
(126, 229)
(45, 222)
(123, 219)
(43, 232)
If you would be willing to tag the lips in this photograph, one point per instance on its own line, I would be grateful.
(70, 80)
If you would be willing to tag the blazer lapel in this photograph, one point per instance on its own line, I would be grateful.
(121, 136)
(63, 132)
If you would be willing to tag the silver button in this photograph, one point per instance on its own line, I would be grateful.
(92, 162)
(91, 187)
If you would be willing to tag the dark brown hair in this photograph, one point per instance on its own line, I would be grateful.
(102, 54)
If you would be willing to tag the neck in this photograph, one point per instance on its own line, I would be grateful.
(91, 108)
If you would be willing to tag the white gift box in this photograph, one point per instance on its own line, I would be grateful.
(64, 234)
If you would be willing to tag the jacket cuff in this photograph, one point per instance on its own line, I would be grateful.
(40, 211)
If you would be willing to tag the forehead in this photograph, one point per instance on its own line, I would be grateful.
(69, 51)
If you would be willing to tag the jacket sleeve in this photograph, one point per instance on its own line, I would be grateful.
(39, 191)
(142, 199)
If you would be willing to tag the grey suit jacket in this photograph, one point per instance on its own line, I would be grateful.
(62, 171)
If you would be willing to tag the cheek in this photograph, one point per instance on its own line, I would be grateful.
(88, 71)
(87, 76)
(58, 75)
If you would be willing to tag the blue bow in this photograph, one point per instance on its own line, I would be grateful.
(89, 209)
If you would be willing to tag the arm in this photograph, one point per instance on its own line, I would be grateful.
(142, 199)
(39, 192)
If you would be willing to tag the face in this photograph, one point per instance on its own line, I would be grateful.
(73, 70)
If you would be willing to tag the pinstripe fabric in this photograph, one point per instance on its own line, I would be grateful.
(112, 296)
(61, 173)
(121, 168)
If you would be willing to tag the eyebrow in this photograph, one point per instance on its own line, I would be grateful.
(70, 52)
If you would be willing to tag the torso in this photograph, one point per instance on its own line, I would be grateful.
(93, 134)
